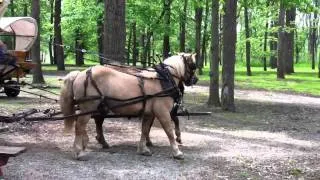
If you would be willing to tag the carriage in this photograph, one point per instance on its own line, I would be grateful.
(18, 34)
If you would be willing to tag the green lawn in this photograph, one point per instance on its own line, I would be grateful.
(303, 81)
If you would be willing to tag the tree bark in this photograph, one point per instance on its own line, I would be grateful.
(79, 46)
(204, 38)
(290, 22)
(58, 48)
(273, 47)
(183, 20)
(214, 65)
(229, 44)
(35, 51)
(166, 37)
(198, 20)
(248, 45)
(50, 45)
(12, 4)
(114, 31)
(134, 43)
(129, 45)
(282, 43)
(100, 34)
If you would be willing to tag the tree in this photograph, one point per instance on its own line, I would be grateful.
(100, 34)
(79, 45)
(58, 48)
(248, 45)
(214, 65)
(198, 21)
(183, 21)
(204, 39)
(114, 31)
(282, 46)
(290, 23)
(265, 40)
(166, 36)
(229, 45)
(35, 51)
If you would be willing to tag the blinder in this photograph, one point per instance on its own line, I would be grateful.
(189, 78)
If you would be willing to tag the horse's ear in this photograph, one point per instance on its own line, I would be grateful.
(193, 56)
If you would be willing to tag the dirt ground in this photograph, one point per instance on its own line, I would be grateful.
(271, 136)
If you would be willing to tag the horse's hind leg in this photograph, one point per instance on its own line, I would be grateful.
(149, 125)
(145, 129)
(165, 120)
(81, 136)
(100, 138)
(175, 119)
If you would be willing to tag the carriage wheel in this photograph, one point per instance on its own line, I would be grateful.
(12, 89)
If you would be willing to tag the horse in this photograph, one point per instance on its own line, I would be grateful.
(103, 88)
(100, 119)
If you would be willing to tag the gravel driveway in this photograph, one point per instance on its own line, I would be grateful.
(271, 136)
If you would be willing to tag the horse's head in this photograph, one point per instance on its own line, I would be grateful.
(190, 67)
(183, 67)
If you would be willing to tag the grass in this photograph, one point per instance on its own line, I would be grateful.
(303, 81)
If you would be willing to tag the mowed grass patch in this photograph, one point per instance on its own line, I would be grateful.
(303, 81)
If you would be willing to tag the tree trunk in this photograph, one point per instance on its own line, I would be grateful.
(166, 37)
(129, 45)
(35, 51)
(143, 49)
(148, 47)
(134, 43)
(265, 46)
(12, 4)
(214, 65)
(229, 44)
(282, 43)
(313, 38)
(198, 20)
(297, 47)
(114, 42)
(248, 45)
(290, 22)
(100, 34)
(58, 49)
(204, 38)
(273, 47)
(79, 46)
(183, 21)
(50, 45)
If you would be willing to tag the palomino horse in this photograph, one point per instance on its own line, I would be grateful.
(106, 89)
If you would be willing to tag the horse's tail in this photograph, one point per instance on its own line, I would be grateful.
(66, 100)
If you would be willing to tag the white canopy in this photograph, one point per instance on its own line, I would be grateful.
(24, 29)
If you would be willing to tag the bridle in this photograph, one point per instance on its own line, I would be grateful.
(190, 70)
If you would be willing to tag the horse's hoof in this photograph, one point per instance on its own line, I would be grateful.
(149, 144)
(80, 156)
(105, 146)
(178, 140)
(146, 153)
(179, 156)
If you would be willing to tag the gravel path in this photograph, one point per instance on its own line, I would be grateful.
(271, 136)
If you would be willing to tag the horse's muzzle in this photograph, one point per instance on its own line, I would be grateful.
(192, 81)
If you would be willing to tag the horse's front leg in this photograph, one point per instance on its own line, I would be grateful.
(81, 137)
(149, 143)
(145, 129)
(100, 138)
(165, 120)
(175, 120)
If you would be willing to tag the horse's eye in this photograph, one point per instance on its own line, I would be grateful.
(193, 66)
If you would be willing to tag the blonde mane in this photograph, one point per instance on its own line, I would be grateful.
(177, 63)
